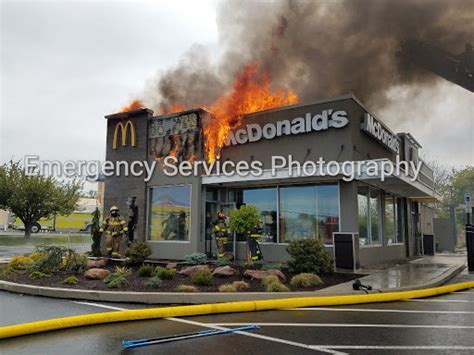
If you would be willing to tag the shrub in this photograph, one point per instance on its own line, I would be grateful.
(266, 280)
(153, 282)
(165, 273)
(227, 288)
(186, 288)
(145, 270)
(20, 262)
(243, 219)
(36, 275)
(305, 280)
(74, 262)
(196, 258)
(202, 278)
(71, 280)
(309, 255)
(137, 253)
(277, 287)
(115, 280)
(123, 270)
(240, 285)
(222, 261)
(52, 260)
(35, 256)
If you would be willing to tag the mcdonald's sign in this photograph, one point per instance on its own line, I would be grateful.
(123, 128)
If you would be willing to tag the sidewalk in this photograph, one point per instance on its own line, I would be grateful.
(429, 271)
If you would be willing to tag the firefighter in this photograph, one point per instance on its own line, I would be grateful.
(254, 253)
(115, 227)
(221, 233)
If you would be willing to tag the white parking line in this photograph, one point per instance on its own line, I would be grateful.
(441, 301)
(394, 347)
(206, 325)
(381, 310)
(343, 325)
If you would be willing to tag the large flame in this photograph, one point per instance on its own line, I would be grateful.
(135, 104)
(250, 92)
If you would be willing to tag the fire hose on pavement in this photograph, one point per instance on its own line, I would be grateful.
(219, 308)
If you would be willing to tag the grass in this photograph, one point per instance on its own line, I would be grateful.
(37, 239)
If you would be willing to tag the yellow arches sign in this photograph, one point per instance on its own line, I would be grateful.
(123, 128)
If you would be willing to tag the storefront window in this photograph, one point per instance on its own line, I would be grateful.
(170, 213)
(389, 223)
(399, 231)
(309, 212)
(369, 216)
(265, 199)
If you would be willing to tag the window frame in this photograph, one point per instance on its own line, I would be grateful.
(380, 219)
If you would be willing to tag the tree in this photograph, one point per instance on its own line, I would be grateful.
(243, 219)
(31, 196)
(95, 233)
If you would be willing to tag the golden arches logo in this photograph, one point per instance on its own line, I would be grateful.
(123, 128)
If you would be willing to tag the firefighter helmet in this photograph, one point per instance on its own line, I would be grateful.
(221, 215)
(114, 208)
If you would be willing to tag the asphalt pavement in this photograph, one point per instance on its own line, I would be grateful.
(438, 325)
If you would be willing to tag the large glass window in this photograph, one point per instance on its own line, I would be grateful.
(399, 231)
(170, 213)
(309, 212)
(369, 216)
(265, 199)
(389, 224)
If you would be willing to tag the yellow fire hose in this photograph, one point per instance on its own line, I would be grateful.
(229, 307)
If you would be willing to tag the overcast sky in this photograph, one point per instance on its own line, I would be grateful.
(64, 65)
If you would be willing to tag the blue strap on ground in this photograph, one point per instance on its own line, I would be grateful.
(130, 344)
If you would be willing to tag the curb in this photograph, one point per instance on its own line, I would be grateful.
(203, 297)
(219, 308)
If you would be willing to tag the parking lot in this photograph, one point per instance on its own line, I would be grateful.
(441, 325)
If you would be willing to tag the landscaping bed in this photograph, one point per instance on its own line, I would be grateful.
(138, 284)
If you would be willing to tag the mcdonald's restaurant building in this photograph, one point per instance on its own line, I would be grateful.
(389, 218)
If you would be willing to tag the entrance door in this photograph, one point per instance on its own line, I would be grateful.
(211, 217)
(226, 207)
(416, 230)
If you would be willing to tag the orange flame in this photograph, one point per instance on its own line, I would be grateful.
(250, 93)
(135, 104)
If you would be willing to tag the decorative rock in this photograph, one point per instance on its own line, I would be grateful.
(191, 270)
(224, 271)
(97, 263)
(171, 265)
(96, 274)
(260, 274)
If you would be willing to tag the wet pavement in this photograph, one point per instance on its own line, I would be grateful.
(439, 325)
(415, 273)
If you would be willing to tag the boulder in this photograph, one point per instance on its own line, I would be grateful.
(97, 263)
(191, 270)
(171, 265)
(224, 271)
(260, 274)
(96, 274)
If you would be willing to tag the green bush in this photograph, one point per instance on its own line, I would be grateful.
(222, 261)
(277, 287)
(305, 280)
(267, 280)
(73, 262)
(115, 280)
(153, 282)
(309, 255)
(20, 262)
(202, 278)
(243, 219)
(52, 259)
(227, 288)
(196, 258)
(137, 253)
(186, 288)
(145, 270)
(165, 273)
(71, 280)
(36, 275)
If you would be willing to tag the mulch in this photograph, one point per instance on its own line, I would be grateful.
(137, 283)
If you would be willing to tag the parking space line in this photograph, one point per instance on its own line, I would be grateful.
(206, 325)
(381, 310)
(441, 301)
(344, 325)
(395, 347)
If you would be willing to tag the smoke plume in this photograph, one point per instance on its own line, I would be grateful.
(318, 49)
